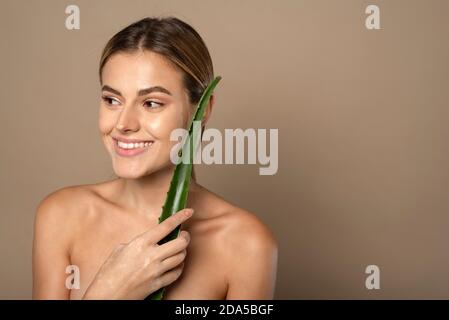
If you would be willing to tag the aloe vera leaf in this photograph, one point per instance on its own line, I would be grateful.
(178, 191)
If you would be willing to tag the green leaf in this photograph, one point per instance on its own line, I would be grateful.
(178, 191)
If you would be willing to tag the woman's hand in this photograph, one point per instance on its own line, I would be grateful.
(140, 267)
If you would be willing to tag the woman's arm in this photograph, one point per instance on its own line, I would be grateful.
(253, 253)
(51, 250)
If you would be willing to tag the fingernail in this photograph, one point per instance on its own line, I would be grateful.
(188, 212)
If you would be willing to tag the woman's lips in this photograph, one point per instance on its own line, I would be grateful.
(131, 149)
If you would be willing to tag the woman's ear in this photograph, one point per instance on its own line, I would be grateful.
(208, 109)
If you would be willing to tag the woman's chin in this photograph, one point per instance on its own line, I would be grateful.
(136, 170)
(126, 175)
(130, 173)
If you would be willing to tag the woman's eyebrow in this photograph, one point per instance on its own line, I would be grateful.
(108, 88)
(140, 92)
(153, 89)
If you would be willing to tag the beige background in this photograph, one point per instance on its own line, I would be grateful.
(362, 116)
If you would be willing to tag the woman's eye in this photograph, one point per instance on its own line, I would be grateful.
(111, 101)
(152, 104)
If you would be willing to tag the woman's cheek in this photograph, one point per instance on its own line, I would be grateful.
(106, 121)
(162, 127)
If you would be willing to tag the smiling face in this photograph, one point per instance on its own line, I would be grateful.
(143, 101)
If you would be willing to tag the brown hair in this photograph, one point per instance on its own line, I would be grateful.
(175, 40)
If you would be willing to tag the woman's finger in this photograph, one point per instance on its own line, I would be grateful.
(173, 261)
(165, 227)
(174, 246)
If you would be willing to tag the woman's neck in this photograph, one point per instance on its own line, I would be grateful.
(146, 195)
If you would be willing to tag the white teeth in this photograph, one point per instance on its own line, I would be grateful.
(125, 145)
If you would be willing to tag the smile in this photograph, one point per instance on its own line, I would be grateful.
(135, 145)
(129, 149)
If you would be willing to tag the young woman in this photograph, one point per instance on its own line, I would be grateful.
(152, 75)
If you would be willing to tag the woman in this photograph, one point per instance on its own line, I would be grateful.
(152, 75)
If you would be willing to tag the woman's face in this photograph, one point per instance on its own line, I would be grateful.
(143, 100)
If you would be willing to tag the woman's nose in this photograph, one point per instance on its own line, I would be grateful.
(128, 119)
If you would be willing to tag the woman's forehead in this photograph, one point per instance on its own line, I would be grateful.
(130, 72)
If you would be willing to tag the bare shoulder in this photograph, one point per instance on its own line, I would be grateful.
(247, 246)
(248, 249)
(56, 227)
(242, 230)
(64, 200)
(62, 209)
(248, 233)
